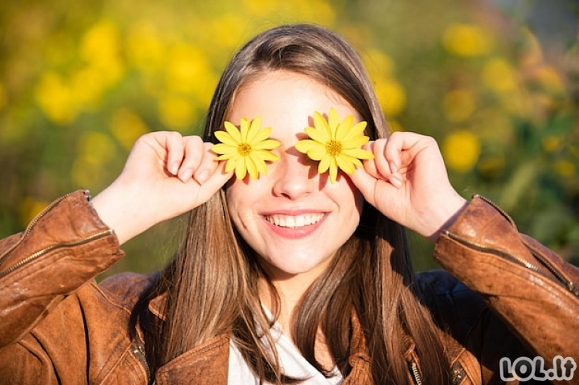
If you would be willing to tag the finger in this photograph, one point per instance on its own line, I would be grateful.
(399, 143)
(208, 165)
(382, 165)
(193, 153)
(370, 164)
(214, 182)
(366, 183)
(173, 143)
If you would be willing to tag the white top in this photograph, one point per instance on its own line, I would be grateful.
(292, 364)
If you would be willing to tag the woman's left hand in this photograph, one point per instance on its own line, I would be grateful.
(407, 182)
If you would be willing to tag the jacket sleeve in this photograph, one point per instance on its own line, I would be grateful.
(64, 247)
(533, 290)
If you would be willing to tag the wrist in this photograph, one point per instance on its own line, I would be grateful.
(448, 213)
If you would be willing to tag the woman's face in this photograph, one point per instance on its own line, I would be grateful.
(294, 218)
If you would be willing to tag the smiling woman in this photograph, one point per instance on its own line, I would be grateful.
(291, 271)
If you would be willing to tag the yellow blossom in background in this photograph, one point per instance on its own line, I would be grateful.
(227, 39)
(100, 47)
(30, 208)
(176, 112)
(55, 98)
(95, 150)
(188, 72)
(318, 11)
(335, 144)
(458, 105)
(127, 126)
(466, 40)
(548, 79)
(87, 88)
(145, 48)
(3, 97)
(499, 76)
(391, 95)
(461, 150)
(245, 149)
(552, 143)
(565, 168)
(394, 126)
(378, 63)
(96, 147)
(531, 52)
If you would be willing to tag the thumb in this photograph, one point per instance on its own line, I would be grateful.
(366, 183)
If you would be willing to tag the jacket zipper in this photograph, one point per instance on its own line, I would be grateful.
(50, 248)
(415, 372)
(558, 277)
(139, 352)
(33, 223)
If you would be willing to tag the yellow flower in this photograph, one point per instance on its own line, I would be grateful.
(246, 149)
(335, 144)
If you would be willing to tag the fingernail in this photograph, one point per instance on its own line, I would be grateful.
(186, 175)
(174, 168)
(202, 176)
(395, 181)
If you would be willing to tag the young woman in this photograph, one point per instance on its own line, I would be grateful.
(291, 273)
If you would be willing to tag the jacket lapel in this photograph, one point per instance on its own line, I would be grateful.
(205, 364)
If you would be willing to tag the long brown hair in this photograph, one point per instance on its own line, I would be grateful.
(211, 283)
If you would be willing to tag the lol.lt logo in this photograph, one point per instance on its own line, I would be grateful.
(524, 369)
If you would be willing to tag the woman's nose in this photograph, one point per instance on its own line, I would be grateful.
(295, 175)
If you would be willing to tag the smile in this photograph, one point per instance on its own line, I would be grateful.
(294, 221)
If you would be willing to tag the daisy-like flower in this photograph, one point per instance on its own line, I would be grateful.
(246, 149)
(335, 144)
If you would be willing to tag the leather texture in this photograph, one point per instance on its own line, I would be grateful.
(502, 295)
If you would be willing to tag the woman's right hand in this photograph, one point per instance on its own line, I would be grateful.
(165, 175)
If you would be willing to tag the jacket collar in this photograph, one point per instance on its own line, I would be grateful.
(208, 362)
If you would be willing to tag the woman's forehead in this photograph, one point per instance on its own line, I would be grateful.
(286, 100)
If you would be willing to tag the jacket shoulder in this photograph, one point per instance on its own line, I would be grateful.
(454, 307)
(125, 289)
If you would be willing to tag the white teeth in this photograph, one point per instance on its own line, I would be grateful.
(294, 221)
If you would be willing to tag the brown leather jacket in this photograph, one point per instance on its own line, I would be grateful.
(57, 326)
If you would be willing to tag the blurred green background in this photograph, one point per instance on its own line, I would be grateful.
(496, 82)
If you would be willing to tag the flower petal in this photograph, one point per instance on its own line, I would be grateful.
(333, 170)
(244, 128)
(251, 167)
(221, 148)
(358, 153)
(324, 164)
(226, 138)
(358, 129)
(317, 153)
(344, 127)
(240, 168)
(264, 155)
(254, 130)
(321, 124)
(333, 121)
(355, 142)
(259, 164)
(269, 144)
(318, 134)
(226, 156)
(231, 164)
(345, 164)
(233, 131)
(261, 135)
(306, 145)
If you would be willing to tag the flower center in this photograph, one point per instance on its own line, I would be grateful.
(244, 149)
(333, 147)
